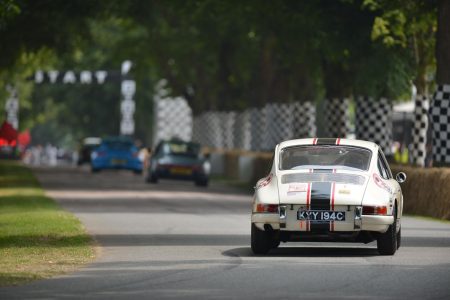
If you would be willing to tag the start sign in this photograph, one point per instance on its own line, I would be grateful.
(70, 77)
(128, 89)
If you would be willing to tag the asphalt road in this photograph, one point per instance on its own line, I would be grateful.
(175, 240)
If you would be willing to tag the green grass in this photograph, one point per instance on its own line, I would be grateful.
(37, 238)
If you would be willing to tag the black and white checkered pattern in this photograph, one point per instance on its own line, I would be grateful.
(242, 130)
(440, 117)
(227, 121)
(374, 122)
(419, 132)
(337, 116)
(278, 120)
(172, 118)
(304, 120)
(208, 129)
(255, 128)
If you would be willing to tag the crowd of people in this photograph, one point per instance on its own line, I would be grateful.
(49, 155)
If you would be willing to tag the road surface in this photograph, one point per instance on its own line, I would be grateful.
(175, 240)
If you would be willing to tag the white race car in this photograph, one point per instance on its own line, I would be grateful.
(328, 190)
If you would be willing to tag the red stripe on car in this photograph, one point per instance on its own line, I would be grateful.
(333, 189)
(308, 195)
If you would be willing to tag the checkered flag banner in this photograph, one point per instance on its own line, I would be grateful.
(255, 128)
(242, 130)
(337, 115)
(208, 130)
(278, 125)
(173, 119)
(440, 116)
(419, 132)
(374, 122)
(303, 120)
(277, 122)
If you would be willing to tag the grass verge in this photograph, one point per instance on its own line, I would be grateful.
(37, 238)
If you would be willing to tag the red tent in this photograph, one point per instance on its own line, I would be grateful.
(24, 138)
(7, 132)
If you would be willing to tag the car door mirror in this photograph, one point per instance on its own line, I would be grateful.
(400, 177)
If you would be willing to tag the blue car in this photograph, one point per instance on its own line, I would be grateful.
(177, 159)
(116, 153)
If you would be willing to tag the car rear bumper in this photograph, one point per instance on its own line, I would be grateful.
(128, 164)
(366, 223)
(195, 175)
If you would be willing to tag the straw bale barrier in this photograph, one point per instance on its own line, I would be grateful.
(426, 191)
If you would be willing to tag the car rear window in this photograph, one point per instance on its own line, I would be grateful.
(325, 157)
(190, 149)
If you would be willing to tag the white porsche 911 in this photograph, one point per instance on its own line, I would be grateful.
(328, 190)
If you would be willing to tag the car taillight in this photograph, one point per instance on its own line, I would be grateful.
(267, 208)
(375, 210)
(197, 168)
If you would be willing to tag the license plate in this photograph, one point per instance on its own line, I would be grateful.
(118, 161)
(321, 215)
(181, 171)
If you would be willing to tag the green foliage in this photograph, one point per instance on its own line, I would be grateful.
(225, 55)
(8, 10)
(407, 25)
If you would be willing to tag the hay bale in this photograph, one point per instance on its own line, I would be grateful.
(426, 191)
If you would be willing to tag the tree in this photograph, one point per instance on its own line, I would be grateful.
(440, 110)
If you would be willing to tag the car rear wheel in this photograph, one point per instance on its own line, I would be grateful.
(387, 243)
(275, 244)
(152, 178)
(202, 182)
(261, 241)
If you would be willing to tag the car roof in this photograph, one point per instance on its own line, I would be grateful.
(117, 139)
(329, 141)
(92, 140)
(179, 142)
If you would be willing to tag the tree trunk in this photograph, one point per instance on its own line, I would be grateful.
(374, 122)
(337, 117)
(337, 103)
(443, 43)
(440, 109)
(419, 130)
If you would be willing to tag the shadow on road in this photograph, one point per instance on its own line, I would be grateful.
(112, 240)
(305, 252)
(118, 240)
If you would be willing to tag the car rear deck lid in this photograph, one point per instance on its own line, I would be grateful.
(323, 177)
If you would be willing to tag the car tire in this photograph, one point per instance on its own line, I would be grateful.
(261, 241)
(137, 172)
(95, 170)
(275, 244)
(387, 243)
(399, 238)
(152, 178)
(202, 182)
